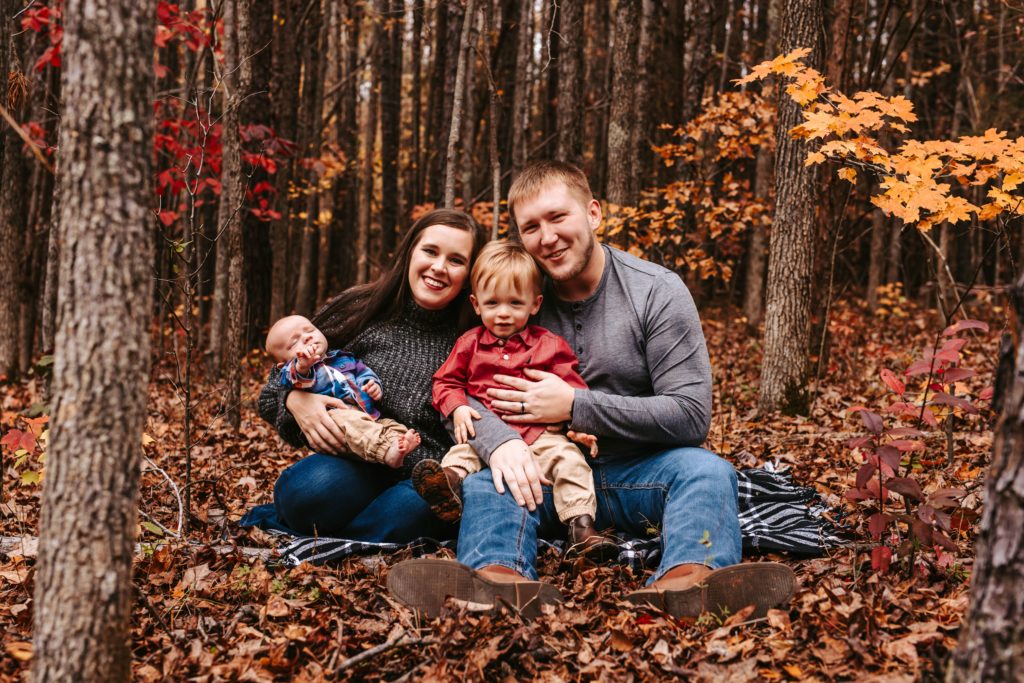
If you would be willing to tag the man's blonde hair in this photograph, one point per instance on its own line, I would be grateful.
(540, 174)
(505, 264)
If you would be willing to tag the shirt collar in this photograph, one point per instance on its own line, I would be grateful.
(526, 335)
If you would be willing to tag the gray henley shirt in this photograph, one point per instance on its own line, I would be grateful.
(642, 353)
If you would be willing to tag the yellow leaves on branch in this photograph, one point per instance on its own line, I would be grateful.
(919, 177)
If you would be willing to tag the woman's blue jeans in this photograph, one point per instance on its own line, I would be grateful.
(688, 495)
(327, 495)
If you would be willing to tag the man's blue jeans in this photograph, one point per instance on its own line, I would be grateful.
(333, 496)
(686, 494)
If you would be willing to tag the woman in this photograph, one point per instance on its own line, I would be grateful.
(403, 326)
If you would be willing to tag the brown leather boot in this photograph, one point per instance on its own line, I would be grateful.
(586, 540)
(441, 487)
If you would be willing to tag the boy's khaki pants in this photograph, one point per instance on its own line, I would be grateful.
(560, 461)
(365, 437)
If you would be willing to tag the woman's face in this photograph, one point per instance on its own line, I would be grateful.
(439, 266)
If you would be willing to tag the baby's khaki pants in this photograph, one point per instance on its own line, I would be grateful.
(560, 461)
(365, 437)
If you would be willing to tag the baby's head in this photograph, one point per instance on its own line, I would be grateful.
(292, 333)
(506, 287)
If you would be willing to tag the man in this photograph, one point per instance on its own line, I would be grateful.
(641, 349)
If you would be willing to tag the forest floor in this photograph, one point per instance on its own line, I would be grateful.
(206, 614)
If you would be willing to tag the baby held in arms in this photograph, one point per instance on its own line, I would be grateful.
(307, 364)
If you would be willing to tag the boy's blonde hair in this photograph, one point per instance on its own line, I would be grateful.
(540, 174)
(502, 263)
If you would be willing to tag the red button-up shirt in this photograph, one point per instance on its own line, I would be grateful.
(478, 356)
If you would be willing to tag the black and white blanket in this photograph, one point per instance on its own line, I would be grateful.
(776, 515)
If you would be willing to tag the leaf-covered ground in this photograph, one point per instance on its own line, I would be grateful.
(208, 612)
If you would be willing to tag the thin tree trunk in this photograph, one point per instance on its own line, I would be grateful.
(237, 78)
(643, 100)
(458, 104)
(312, 109)
(390, 121)
(493, 125)
(368, 135)
(570, 83)
(469, 113)
(701, 28)
(285, 86)
(992, 641)
(83, 590)
(521, 96)
(415, 191)
(753, 293)
(792, 244)
(13, 170)
(622, 181)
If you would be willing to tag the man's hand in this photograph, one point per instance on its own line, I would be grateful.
(588, 440)
(373, 390)
(462, 419)
(546, 399)
(305, 358)
(513, 463)
(310, 412)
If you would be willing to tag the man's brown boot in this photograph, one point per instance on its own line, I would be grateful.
(586, 540)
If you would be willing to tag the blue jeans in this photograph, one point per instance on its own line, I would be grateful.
(686, 494)
(326, 495)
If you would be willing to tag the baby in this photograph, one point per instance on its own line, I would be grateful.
(307, 364)
(506, 292)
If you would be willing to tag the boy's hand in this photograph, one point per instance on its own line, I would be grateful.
(373, 390)
(588, 440)
(305, 358)
(462, 418)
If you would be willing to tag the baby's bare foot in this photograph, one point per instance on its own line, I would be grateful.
(401, 447)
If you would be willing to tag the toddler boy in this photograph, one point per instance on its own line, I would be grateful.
(506, 292)
(307, 364)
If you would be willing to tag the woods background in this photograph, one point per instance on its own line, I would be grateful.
(292, 143)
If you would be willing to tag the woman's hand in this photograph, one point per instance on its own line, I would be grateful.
(546, 399)
(310, 412)
(513, 463)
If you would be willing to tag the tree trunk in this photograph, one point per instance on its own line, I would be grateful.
(493, 126)
(390, 122)
(992, 641)
(312, 111)
(521, 95)
(368, 135)
(237, 79)
(12, 192)
(570, 83)
(643, 101)
(792, 244)
(757, 256)
(622, 181)
(83, 591)
(285, 86)
(701, 28)
(414, 188)
(458, 104)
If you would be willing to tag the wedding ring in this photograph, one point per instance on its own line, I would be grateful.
(522, 408)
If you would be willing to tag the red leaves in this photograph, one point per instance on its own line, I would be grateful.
(16, 439)
(893, 382)
(881, 557)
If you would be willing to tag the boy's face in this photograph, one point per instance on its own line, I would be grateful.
(504, 309)
(290, 334)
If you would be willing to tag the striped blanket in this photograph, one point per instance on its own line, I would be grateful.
(776, 515)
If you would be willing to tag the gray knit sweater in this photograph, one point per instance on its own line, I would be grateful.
(404, 352)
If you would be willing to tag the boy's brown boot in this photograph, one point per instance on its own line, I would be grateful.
(441, 487)
(586, 540)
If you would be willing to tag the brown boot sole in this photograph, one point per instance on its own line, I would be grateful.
(726, 591)
(425, 584)
(430, 481)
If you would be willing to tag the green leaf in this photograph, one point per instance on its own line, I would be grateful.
(153, 528)
(29, 477)
(45, 361)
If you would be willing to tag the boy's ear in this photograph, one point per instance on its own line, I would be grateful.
(536, 304)
(476, 304)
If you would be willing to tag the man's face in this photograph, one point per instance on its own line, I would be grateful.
(557, 228)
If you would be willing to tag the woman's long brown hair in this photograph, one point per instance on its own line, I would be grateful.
(352, 311)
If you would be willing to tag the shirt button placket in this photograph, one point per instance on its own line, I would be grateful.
(577, 323)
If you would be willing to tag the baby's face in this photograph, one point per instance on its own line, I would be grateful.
(504, 310)
(289, 335)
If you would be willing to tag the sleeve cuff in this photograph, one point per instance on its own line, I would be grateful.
(450, 404)
(582, 414)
